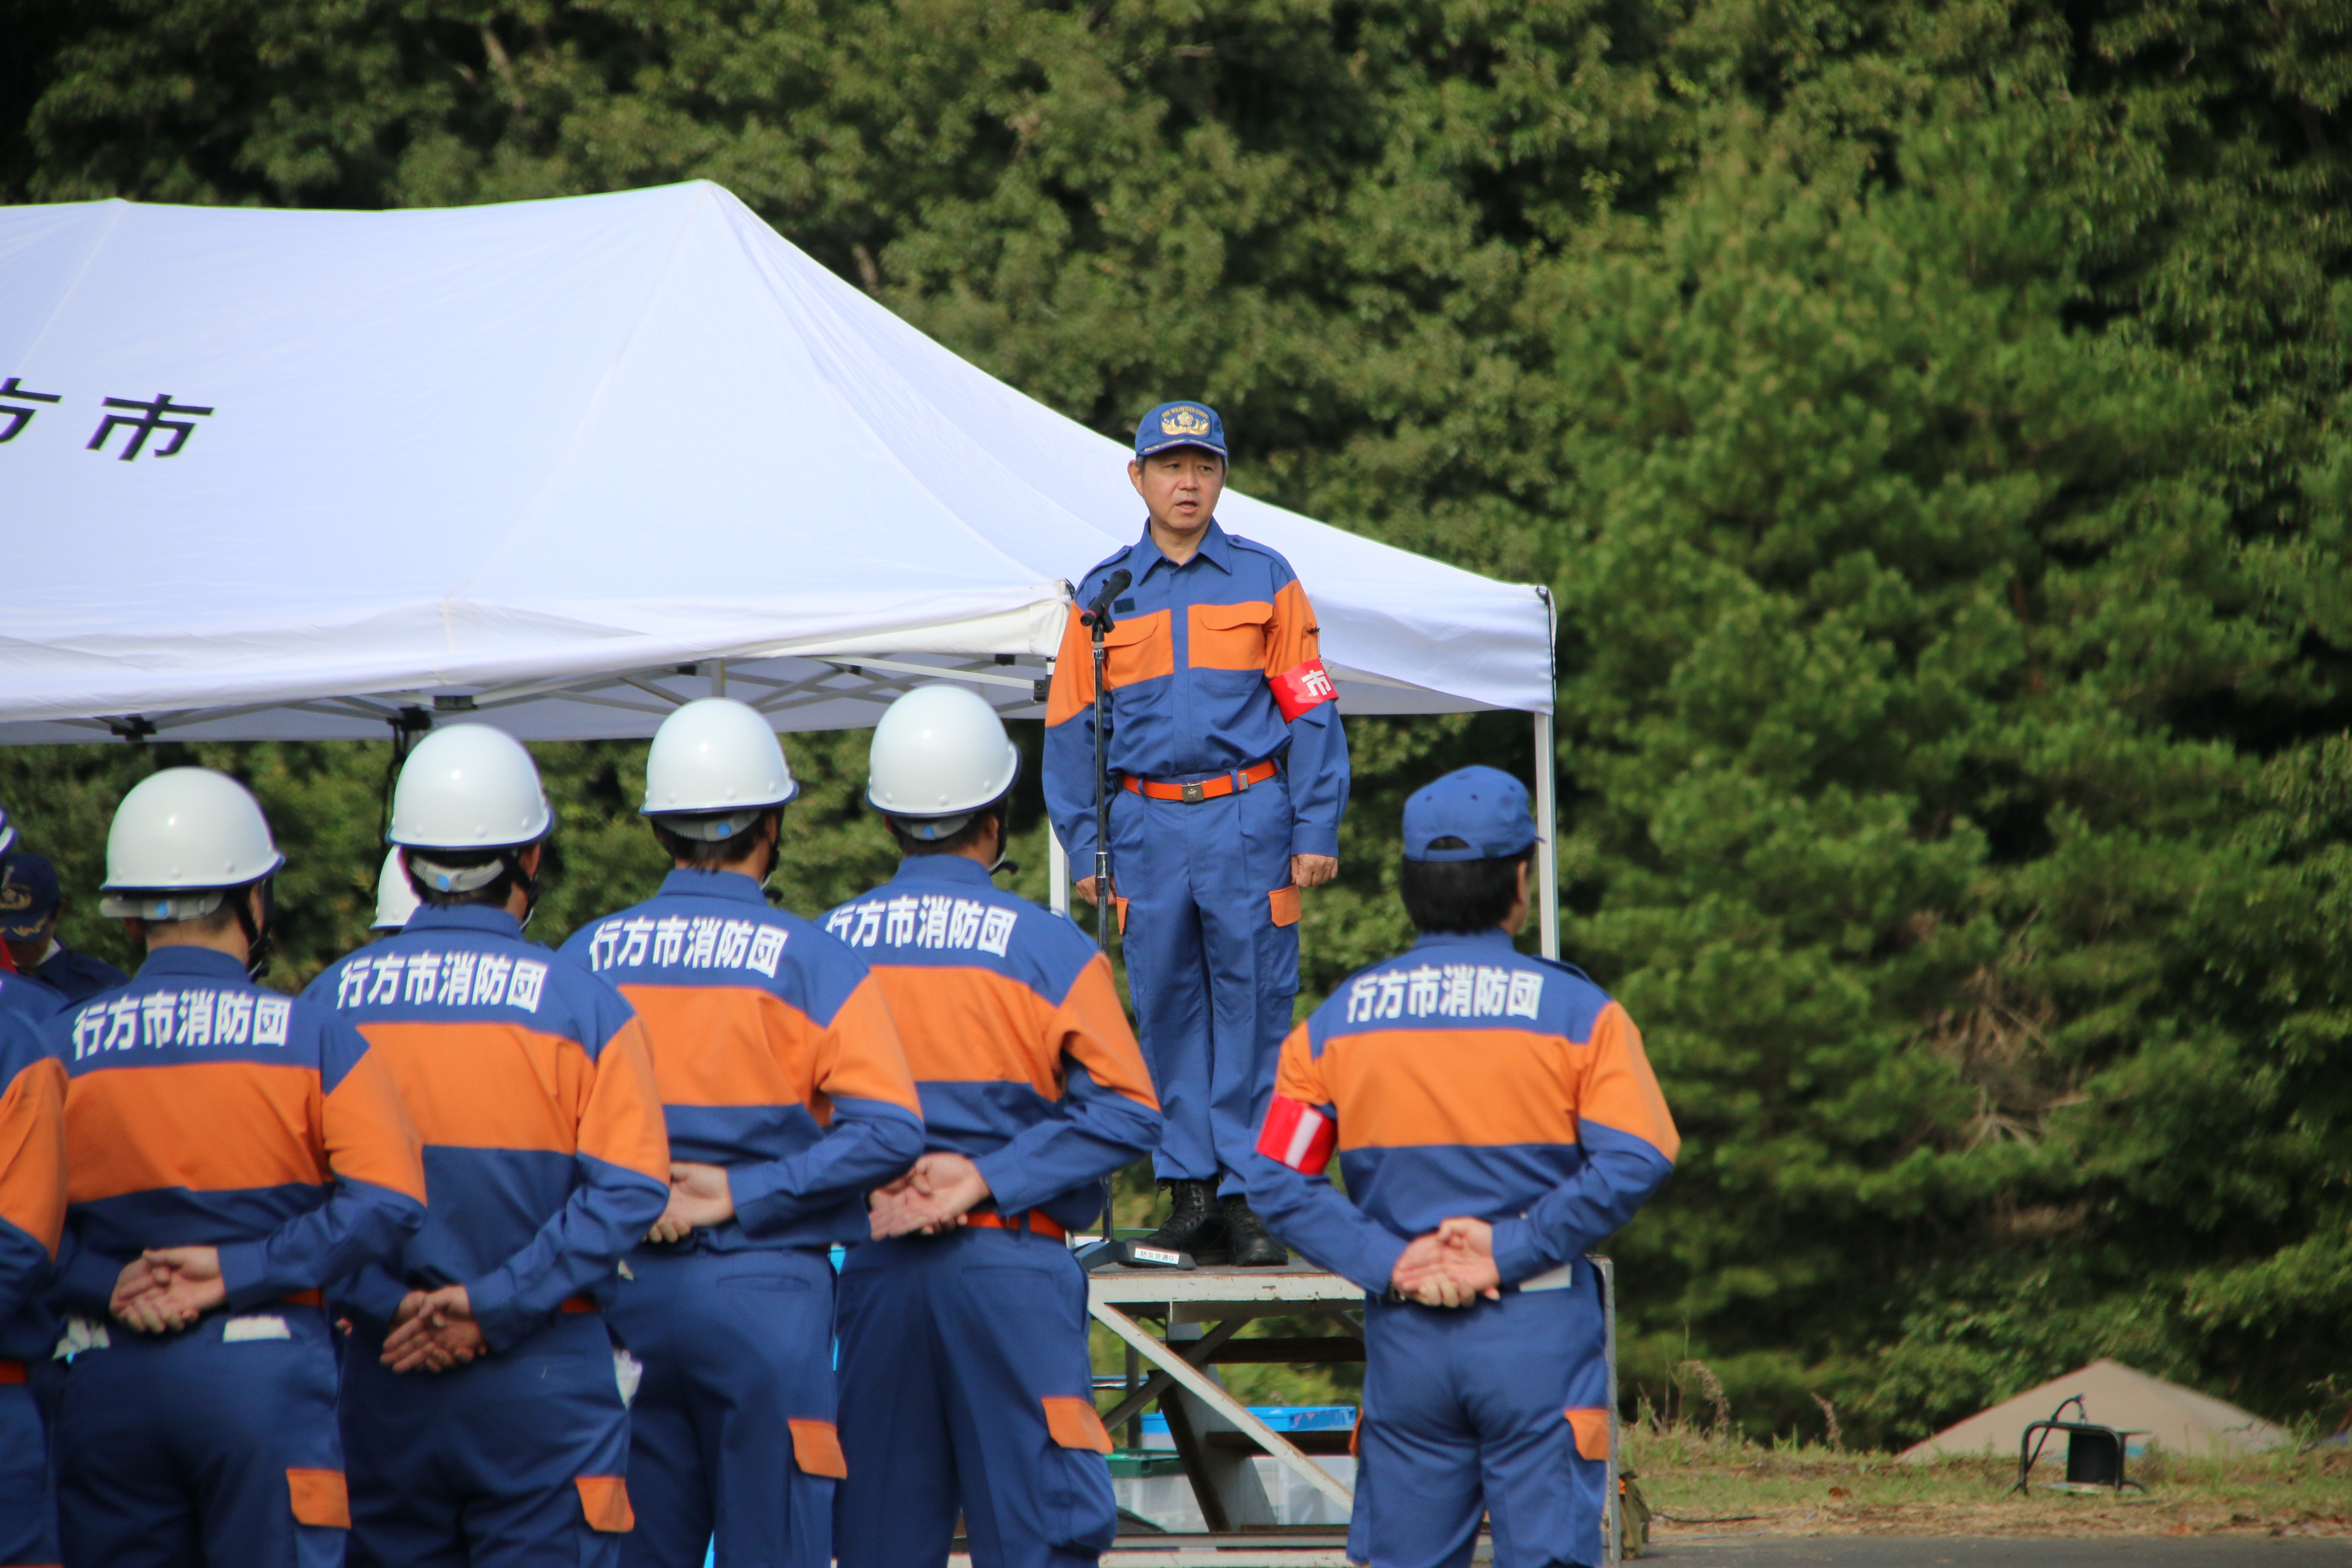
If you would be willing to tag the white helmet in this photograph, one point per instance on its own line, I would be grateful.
(469, 786)
(181, 838)
(395, 896)
(715, 766)
(940, 755)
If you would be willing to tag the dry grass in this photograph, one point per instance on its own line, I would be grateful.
(1713, 1482)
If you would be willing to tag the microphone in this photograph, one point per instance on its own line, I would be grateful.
(1099, 612)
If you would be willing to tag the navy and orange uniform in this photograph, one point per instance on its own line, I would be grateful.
(545, 1159)
(966, 1387)
(32, 1219)
(202, 1110)
(776, 1057)
(1466, 1080)
(1216, 682)
(34, 1001)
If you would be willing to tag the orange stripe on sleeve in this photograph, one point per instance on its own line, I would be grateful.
(972, 1025)
(1073, 691)
(622, 1122)
(1297, 1075)
(726, 1045)
(1409, 1088)
(861, 1058)
(1621, 1092)
(1292, 637)
(369, 1134)
(1092, 1027)
(486, 1085)
(32, 1152)
(1228, 637)
(206, 1126)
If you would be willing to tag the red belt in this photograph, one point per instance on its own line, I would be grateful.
(1039, 1223)
(12, 1372)
(1207, 789)
(578, 1304)
(302, 1298)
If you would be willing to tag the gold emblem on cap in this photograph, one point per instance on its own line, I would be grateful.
(13, 897)
(1184, 422)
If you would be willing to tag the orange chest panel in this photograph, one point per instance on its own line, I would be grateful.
(972, 1025)
(205, 1126)
(723, 1044)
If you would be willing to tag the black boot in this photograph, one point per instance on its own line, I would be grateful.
(1253, 1247)
(1193, 1224)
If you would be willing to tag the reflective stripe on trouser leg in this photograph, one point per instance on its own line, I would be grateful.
(173, 1450)
(1465, 1412)
(950, 1347)
(28, 1514)
(479, 1467)
(1212, 975)
(735, 1345)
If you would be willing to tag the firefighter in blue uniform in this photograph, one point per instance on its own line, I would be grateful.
(1495, 1118)
(32, 1219)
(787, 1099)
(229, 1151)
(31, 905)
(966, 1387)
(482, 1408)
(1230, 772)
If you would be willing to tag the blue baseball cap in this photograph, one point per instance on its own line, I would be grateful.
(1179, 424)
(1486, 809)
(28, 896)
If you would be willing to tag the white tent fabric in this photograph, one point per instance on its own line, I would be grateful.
(279, 474)
(2181, 1420)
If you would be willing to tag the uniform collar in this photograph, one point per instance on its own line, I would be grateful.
(942, 869)
(1494, 937)
(1216, 547)
(701, 884)
(463, 917)
(191, 964)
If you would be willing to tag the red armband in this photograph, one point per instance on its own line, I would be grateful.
(1298, 1136)
(1301, 686)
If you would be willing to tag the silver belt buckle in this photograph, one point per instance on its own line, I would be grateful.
(1193, 796)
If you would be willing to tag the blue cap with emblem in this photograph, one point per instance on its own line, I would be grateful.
(1486, 809)
(1179, 424)
(28, 896)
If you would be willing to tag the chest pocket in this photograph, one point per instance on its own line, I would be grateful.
(1138, 648)
(1230, 636)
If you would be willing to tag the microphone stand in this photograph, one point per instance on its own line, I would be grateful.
(1100, 615)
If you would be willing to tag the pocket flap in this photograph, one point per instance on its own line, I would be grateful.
(1074, 1423)
(319, 1498)
(1591, 1432)
(606, 1500)
(1284, 904)
(816, 1448)
(1231, 618)
(1133, 630)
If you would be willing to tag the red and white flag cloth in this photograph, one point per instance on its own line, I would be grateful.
(1299, 1136)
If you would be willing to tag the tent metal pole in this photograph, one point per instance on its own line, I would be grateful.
(1547, 846)
(719, 678)
(1057, 872)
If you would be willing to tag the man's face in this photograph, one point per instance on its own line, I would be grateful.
(30, 950)
(1180, 487)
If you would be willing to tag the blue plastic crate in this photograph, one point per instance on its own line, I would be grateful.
(1285, 1418)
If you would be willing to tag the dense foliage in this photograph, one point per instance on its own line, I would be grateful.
(1928, 413)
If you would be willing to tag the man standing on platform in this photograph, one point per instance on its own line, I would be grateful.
(1495, 1118)
(965, 1383)
(1229, 769)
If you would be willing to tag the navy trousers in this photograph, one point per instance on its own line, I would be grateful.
(213, 1446)
(732, 1434)
(515, 1461)
(1498, 1408)
(966, 1387)
(28, 1512)
(1211, 948)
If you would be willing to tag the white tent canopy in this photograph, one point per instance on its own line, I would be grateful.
(2181, 1419)
(280, 475)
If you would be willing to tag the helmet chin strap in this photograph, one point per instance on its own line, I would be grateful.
(525, 880)
(257, 934)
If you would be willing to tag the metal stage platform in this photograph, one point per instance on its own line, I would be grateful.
(1216, 1439)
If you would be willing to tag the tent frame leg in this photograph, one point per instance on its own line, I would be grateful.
(1548, 845)
(1057, 873)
